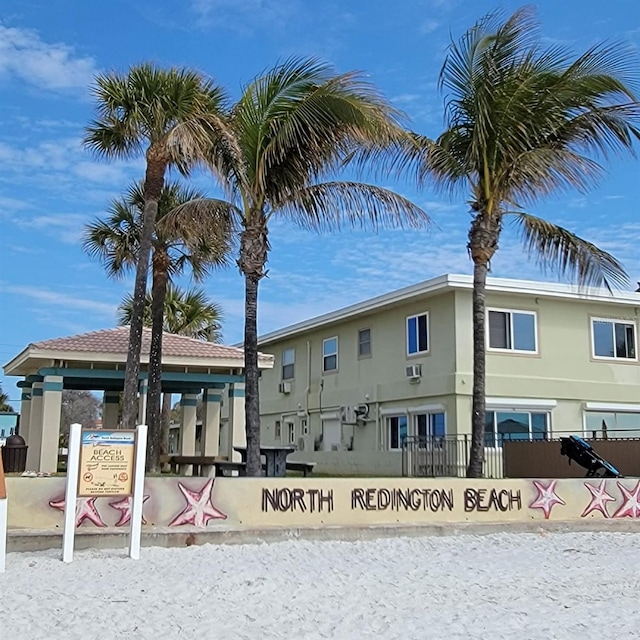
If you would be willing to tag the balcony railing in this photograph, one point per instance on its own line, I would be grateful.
(445, 457)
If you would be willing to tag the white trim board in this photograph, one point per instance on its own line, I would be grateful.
(520, 403)
(612, 407)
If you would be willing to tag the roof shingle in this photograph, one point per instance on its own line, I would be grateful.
(117, 341)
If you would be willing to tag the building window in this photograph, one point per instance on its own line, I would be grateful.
(397, 428)
(304, 426)
(512, 330)
(612, 424)
(291, 432)
(364, 343)
(418, 334)
(330, 354)
(614, 339)
(514, 425)
(429, 425)
(288, 363)
(278, 430)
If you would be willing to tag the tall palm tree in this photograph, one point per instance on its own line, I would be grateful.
(524, 122)
(188, 313)
(116, 242)
(292, 128)
(167, 114)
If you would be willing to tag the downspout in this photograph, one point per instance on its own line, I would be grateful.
(307, 391)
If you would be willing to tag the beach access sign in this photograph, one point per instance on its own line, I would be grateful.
(102, 464)
(106, 463)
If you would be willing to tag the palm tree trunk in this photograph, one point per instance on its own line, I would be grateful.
(254, 247)
(153, 183)
(483, 243)
(165, 422)
(476, 455)
(158, 294)
(251, 372)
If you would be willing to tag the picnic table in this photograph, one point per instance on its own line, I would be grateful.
(275, 458)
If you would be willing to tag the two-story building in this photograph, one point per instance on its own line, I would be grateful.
(350, 386)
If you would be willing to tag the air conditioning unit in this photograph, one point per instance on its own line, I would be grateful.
(284, 387)
(305, 443)
(413, 371)
(349, 414)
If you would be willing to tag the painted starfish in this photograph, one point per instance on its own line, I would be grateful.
(547, 498)
(124, 506)
(85, 510)
(630, 508)
(599, 499)
(199, 509)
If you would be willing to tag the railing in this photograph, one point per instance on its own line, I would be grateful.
(445, 457)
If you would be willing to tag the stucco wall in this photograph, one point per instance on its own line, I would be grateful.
(289, 502)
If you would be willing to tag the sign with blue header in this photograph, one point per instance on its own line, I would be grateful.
(106, 463)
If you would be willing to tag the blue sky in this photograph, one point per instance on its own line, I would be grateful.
(49, 186)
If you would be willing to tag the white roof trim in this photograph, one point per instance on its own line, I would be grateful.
(520, 403)
(612, 406)
(450, 282)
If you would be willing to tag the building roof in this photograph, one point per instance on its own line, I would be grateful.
(117, 341)
(452, 282)
(110, 346)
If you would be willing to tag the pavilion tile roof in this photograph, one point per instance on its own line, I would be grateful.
(117, 341)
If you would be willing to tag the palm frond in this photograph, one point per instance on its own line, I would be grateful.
(569, 255)
(203, 220)
(174, 110)
(328, 206)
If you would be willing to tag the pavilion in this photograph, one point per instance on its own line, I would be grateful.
(95, 361)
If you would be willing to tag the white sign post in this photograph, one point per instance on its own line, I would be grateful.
(103, 463)
(3, 519)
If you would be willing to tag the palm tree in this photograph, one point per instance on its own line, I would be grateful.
(4, 401)
(116, 242)
(188, 313)
(524, 122)
(167, 115)
(293, 127)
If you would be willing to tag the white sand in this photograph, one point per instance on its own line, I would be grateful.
(521, 586)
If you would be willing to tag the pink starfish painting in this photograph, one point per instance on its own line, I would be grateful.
(85, 510)
(630, 508)
(124, 506)
(547, 498)
(599, 499)
(199, 508)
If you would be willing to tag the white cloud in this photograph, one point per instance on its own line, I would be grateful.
(62, 301)
(243, 15)
(65, 159)
(53, 67)
(66, 227)
(429, 26)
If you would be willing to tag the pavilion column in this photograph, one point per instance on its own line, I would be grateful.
(35, 427)
(211, 422)
(237, 436)
(143, 387)
(110, 409)
(189, 405)
(25, 412)
(51, 409)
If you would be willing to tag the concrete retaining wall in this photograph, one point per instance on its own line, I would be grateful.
(264, 503)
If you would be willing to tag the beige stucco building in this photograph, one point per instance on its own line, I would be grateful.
(350, 386)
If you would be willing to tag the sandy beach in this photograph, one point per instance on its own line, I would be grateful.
(505, 586)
